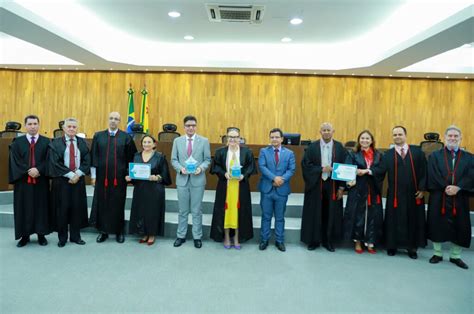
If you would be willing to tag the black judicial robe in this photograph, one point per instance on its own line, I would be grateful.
(311, 221)
(218, 167)
(68, 201)
(404, 223)
(147, 216)
(110, 157)
(30, 201)
(453, 223)
(358, 200)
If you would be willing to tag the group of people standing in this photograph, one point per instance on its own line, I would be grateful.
(40, 208)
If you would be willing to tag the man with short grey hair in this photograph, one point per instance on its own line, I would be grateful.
(450, 177)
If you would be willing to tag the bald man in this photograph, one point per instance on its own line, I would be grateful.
(322, 209)
(112, 150)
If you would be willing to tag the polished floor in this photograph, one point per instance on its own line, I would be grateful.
(132, 277)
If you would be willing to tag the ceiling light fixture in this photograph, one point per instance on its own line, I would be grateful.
(296, 21)
(174, 14)
(286, 40)
(188, 37)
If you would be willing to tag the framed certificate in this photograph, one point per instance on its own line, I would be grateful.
(343, 172)
(138, 171)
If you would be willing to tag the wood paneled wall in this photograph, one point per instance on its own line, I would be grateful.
(255, 103)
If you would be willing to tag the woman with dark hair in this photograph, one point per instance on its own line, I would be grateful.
(147, 217)
(232, 215)
(363, 213)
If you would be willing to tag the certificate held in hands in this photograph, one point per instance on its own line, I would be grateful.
(343, 172)
(138, 171)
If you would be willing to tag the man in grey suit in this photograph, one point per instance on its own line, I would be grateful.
(190, 186)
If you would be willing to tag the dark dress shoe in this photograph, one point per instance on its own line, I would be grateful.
(197, 244)
(263, 245)
(61, 244)
(280, 246)
(412, 254)
(23, 241)
(42, 240)
(458, 262)
(435, 259)
(102, 237)
(178, 242)
(80, 242)
(120, 238)
(391, 252)
(329, 247)
(313, 246)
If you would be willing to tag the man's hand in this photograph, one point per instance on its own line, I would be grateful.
(278, 181)
(362, 172)
(452, 190)
(419, 194)
(351, 183)
(33, 172)
(74, 179)
(183, 171)
(198, 171)
(327, 169)
(340, 194)
(93, 182)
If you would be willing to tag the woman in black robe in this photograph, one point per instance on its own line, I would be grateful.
(363, 214)
(219, 167)
(147, 217)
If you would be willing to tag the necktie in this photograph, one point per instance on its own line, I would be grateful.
(32, 152)
(72, 156)
(190, 146)
(277, 158)
(403, 153)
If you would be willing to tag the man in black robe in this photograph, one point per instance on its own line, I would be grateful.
(112, 150)
(322, 209)
(28, 173)
(450, 177)
(69, 162)
(404, 224)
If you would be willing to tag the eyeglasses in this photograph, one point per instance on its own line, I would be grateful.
(233, 137)
(190, 125)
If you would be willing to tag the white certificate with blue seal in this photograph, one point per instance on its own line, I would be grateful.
(139, 171)
(344, 172)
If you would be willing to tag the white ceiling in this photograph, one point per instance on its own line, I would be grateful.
(416, 38)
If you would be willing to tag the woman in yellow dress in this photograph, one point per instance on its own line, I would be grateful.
(232, 217)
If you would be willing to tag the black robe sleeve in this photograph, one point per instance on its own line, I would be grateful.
(17, 167)
(420, 169)
(311, 166)
(164, 171)
(56, 159)
(131, 149)
(95, 151)
(248, 166)
(218, 166)
(85, 165)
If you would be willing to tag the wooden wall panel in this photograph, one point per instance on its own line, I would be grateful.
(255, 103)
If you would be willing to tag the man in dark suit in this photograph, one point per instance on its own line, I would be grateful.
(277, 165)
(322, 209)
(27, 172)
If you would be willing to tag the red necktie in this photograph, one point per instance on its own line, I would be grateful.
(32, 152)
(277, 158)
(190, 146)
(72, 156)
(403, 153)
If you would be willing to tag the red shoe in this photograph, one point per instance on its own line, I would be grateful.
(150, 242)
(359, 251)
(143, 240)
(371, 250)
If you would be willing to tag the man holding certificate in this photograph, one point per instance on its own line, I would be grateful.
(322, 209)
(190, 157)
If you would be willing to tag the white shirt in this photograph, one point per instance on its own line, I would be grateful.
(28, 137)
(230, 156)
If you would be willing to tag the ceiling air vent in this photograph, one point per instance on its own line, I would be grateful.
(235, 13)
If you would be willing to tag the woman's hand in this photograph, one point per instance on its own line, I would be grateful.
(351, 183)
(227, 176)
(128, 179)
(362, 172)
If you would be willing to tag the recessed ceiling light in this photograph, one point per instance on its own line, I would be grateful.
(174, 14)
(409, 75)
(128, 69)
(390, 75)
(201, 70)
(276, 72)
(315, 73)
(164, 69)
(447, 76)
(296, 21)
(188, 37)
(371, 74)
(92, 69)
(60, 69)
(146, 69)
(286, 39)
(111, 69)
(43, 68)
(353, 74)
(466, 77)
(334, 74)
(428, 76)
(182, 70)
(220, 70)
(296, 72)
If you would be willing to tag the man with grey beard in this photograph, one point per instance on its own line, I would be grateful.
(450, 178)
